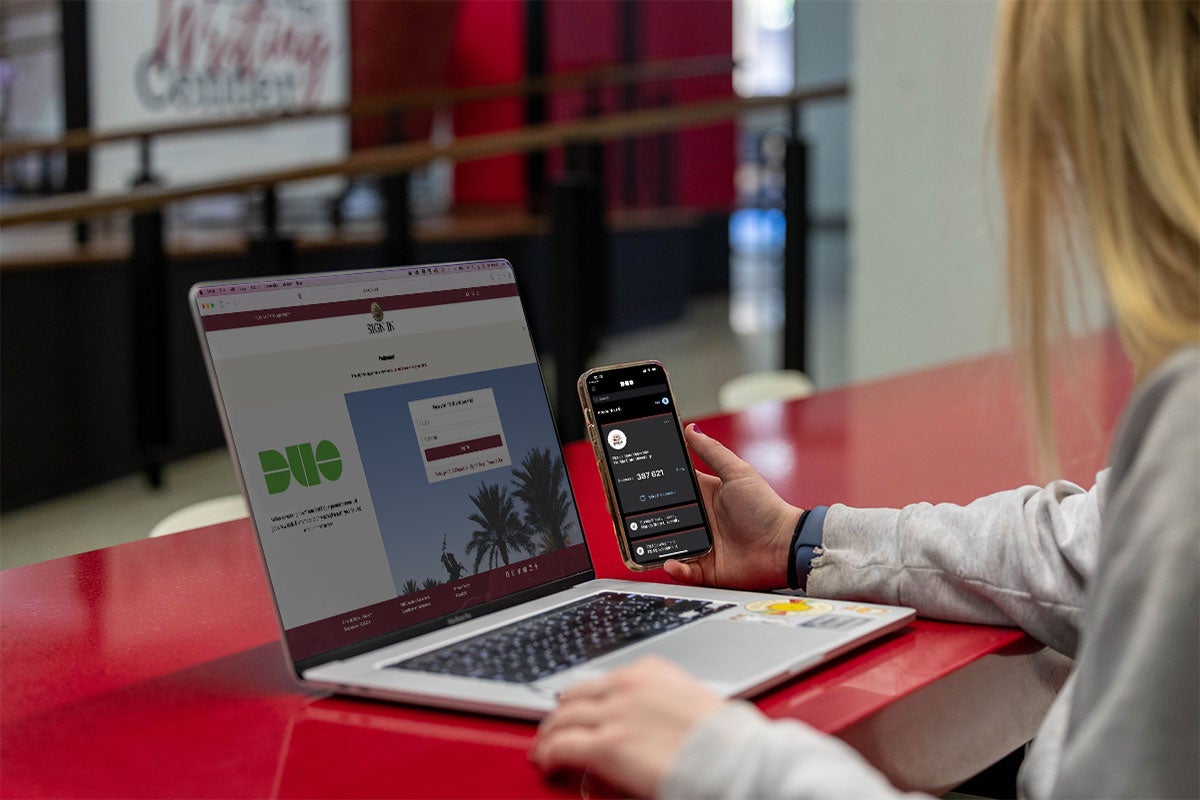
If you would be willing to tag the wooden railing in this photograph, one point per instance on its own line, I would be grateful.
(411, 100)
(406, 157)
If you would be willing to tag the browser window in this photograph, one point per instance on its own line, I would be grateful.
(396, 443)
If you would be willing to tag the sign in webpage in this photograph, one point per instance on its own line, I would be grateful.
(397, 445)
(459, 434)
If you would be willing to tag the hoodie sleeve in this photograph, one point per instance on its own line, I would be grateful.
(1022, 557)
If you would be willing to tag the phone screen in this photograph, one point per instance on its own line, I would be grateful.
(659, 512)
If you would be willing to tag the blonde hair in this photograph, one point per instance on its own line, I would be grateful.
(1098, 133)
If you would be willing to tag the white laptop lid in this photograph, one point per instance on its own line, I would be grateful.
(392, 434)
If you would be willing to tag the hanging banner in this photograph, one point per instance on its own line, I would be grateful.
(162, 62)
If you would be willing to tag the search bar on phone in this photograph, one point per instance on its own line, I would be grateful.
(660, 388)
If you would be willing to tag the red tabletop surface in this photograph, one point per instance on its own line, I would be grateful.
(154, 669)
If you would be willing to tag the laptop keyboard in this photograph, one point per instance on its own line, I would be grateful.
(540, 646)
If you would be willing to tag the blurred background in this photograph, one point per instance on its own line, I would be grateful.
(733, 187)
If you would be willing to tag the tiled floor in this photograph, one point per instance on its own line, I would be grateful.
(701, 351)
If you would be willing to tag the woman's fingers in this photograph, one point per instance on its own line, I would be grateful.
(586, 713)
(574, 748)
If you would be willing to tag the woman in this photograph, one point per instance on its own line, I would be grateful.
(1098, 129)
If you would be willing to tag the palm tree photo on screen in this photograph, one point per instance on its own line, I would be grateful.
(500, 533)
(540, 483)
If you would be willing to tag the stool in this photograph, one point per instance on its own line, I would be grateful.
(198, 515)
(759, 387)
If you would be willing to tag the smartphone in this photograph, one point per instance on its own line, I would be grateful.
(649, 482)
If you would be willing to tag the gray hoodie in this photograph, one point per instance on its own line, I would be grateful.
(1108, 576)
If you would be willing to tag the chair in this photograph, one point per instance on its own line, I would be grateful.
(760, 387)
(198, 515)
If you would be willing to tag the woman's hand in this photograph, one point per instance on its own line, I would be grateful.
(752, 525)
(625, 727)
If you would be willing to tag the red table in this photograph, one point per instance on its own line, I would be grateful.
(153, 668)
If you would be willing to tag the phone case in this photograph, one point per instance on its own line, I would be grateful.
(610, 494)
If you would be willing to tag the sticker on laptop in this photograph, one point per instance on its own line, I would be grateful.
(787, 607)
(871, 611)
(833, 622)
(804, 619)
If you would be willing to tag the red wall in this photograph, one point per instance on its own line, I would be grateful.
(398, 45)
(395, 47)
(707, 156)
(586, 33)
(489, 47)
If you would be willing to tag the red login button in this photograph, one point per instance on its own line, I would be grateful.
(460, 448)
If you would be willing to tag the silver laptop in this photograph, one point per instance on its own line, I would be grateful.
(395, 444)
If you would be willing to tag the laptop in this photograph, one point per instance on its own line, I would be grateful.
(395, 444)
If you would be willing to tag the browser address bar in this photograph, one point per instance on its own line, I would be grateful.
(311, 295)
(326, 294)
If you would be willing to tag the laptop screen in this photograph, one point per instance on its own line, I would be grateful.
(395, 442)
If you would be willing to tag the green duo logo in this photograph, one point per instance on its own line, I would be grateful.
(302, 462)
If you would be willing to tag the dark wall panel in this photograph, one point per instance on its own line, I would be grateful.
(65, 362)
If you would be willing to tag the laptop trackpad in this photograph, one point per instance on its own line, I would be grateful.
(722, 651)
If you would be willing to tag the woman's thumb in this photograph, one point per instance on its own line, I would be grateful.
(719, 458)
